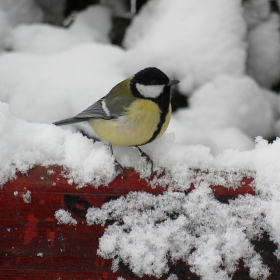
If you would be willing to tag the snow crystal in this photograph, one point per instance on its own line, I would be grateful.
(64, 217)
(50, 172)
(172, 277)
(27, 196)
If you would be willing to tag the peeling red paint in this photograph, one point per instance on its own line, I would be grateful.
(105, 276)
(50, 236)
(49, 219)
(30, 231)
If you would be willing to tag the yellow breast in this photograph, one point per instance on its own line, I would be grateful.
(135, 128)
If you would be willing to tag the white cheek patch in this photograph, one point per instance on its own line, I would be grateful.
(152, 91)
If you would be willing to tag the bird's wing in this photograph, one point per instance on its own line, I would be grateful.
(112, 105)
(109, 107)
(96, 111)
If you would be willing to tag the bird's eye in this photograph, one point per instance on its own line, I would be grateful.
(153, 82)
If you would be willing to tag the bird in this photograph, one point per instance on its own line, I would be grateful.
(135, 112)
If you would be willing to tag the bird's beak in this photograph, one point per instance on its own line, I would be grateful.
(173, 82)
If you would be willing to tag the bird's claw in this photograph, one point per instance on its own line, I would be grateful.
(118, 168)
(147, 158)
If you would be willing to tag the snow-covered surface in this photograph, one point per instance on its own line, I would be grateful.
(156, 226)
(53, 73)
(210, 236)
(24, 145)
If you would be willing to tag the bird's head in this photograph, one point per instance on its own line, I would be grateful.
(150, 83)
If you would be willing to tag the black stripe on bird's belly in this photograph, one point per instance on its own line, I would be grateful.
(163, 102)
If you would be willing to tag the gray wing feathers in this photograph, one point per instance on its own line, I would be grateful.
(100, 109)
(69, 121)
(95, 111)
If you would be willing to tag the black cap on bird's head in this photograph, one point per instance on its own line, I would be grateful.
(150, 83)
(151, 76)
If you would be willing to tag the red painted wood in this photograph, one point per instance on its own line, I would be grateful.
(34, 246)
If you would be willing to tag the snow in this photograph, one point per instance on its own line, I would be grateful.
(47, 39)
(228, 101)
(24, 145)
(217, 112)
(177, 37)
(256, 12)
(263, 61)
(64, 217)
(149, 230)
(27, 196)
(60, 85)
(5, 32)
(23, 11)
(51, 73)
(94, 23)
(44, 39)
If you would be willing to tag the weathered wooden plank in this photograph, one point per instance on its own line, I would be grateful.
(34, 246)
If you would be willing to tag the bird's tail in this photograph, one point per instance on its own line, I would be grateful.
(70, 121)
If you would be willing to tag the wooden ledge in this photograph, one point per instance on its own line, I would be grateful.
(34, 246)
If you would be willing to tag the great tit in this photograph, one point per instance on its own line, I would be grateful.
(135, 112)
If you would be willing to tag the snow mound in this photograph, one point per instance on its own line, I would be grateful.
(93, 23)
(228, 101)
(57, 86)
(24, 145)
(177, 37)
(263, 60)
(23, 11)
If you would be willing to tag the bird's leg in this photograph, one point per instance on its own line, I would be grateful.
(148, 160)
(118, 167)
